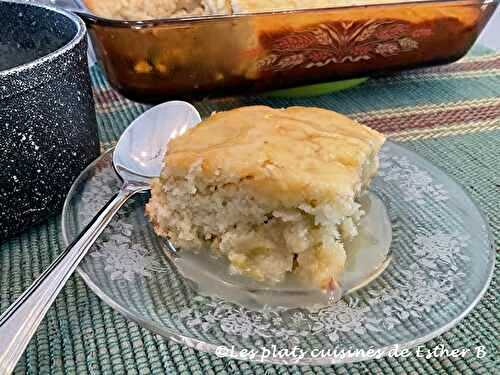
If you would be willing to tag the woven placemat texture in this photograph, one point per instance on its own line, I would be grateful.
(448, 114)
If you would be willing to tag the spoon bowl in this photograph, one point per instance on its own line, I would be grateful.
(139, 153)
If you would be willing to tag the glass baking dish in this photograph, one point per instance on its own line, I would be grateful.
(156, 60)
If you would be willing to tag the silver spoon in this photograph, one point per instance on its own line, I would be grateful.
(137, 159)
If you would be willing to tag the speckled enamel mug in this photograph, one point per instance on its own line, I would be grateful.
(48, 129)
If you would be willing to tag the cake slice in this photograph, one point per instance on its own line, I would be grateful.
(275, 191)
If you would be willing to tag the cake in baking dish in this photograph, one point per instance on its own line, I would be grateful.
(255, 6)
(155, 9)
(275, 191)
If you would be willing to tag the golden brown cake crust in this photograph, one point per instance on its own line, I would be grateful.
(156, 9)
(292, 155)
(250, 6)
(256, 6)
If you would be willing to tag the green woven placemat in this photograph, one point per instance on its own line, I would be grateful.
(449, 114)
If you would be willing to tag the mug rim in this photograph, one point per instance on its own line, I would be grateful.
(80, 33)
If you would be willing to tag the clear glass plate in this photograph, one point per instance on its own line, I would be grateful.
(443, 260)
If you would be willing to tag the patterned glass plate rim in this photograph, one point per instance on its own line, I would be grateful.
(357, 319)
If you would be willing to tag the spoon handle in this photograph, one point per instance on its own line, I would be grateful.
(20, 321)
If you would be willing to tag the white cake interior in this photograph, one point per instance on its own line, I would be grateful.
(262, 240)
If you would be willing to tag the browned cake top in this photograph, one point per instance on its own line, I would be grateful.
(294, 155)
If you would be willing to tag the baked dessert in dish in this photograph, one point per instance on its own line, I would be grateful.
(156, 9)
(256, 6)
(275, 191)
